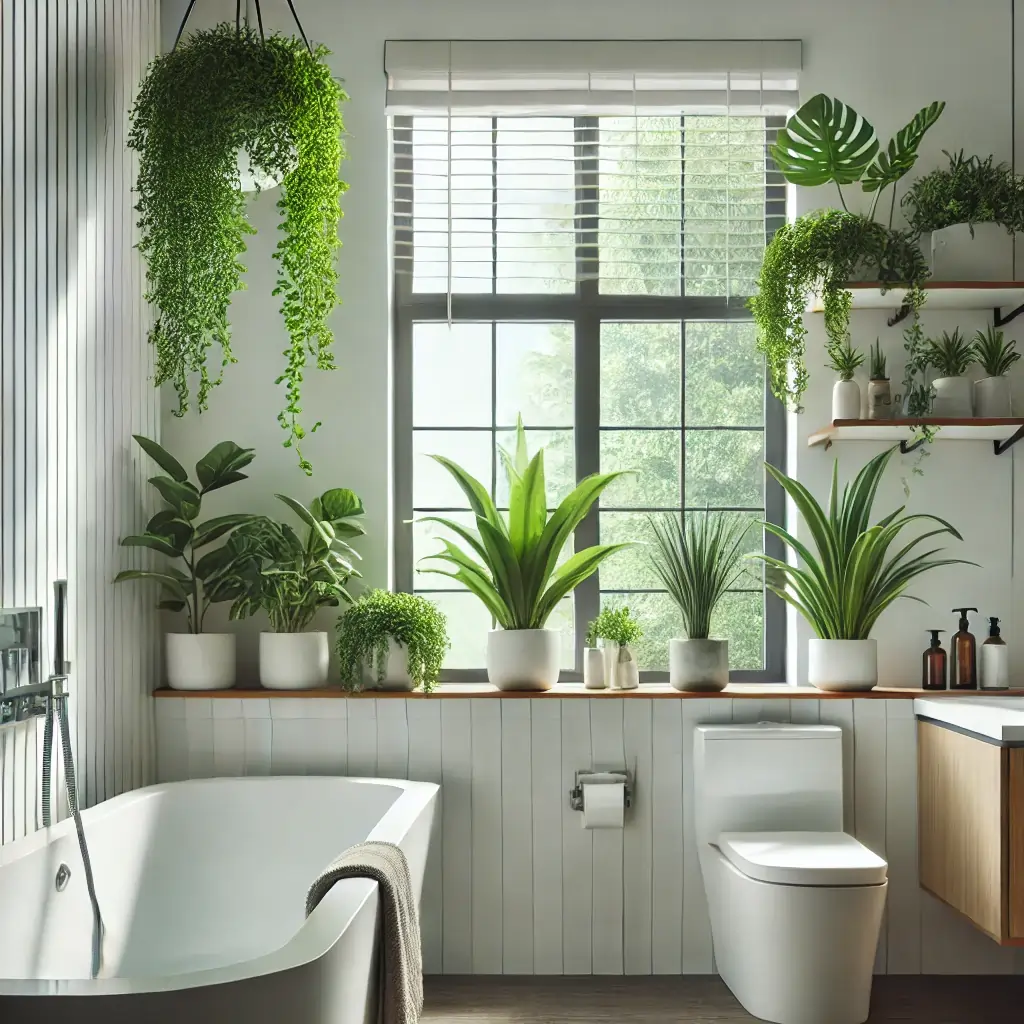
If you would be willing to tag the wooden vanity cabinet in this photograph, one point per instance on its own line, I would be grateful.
(971, 828)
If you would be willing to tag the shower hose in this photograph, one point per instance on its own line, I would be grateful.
(59, 706)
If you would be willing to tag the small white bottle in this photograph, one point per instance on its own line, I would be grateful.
(995, 660)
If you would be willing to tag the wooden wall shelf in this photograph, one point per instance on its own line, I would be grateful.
(1003, 433)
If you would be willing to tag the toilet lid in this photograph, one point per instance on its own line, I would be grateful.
(803, 858)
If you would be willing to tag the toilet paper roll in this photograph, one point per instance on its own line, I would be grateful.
(604, 804)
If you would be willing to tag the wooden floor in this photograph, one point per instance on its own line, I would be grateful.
(699, 1000)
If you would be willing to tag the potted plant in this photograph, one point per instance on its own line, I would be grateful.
(509, 563)
(845, 359)
(193, 580)
(879, 390)
(971, 209)
(615, 630)
(849, 578)
(291, 578)
(995, 356)
(950, 355)
(399, 641)
(827, 141)
(697, 562)
(594, 677)
(220, 98)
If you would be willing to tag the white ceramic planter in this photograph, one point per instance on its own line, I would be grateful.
(293, 661)
(952, 397)
(610, 652)
(879, 399)
(396, 670)
(200, 661)
(957, 256)
(698, 665)
(593, 669)
(523, 659)
(841, 665)
(846, 400)
(992, 398)
(627, 672)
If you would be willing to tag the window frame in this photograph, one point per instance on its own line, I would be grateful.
(586, 308)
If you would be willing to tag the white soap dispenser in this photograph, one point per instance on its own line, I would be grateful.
(995, 659)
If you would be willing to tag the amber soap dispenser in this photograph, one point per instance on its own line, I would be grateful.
(933, 664)
(964, 672)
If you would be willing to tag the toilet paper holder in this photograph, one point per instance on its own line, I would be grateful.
(613, 775)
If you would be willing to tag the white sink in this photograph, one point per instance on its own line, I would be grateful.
(996, 718)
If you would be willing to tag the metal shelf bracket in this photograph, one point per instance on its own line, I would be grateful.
(1001, 321)
(1002, 446)
(907, 447)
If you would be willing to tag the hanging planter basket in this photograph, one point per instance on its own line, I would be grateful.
(224, 111)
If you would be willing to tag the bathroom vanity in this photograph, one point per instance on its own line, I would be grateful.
(971, 809)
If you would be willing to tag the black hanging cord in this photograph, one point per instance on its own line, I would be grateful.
(291, 7)
(181, 27)
(259, 20)
(238, 21)
(238, 15)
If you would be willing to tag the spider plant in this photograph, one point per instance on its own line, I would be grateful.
(845, 359)
(698, 562)
(951, 354)
(878, 368)
(844, 587)
(993, 353)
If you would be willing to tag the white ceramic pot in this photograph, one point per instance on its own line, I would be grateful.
(593, 669)
(992, 398)
(957, 256)
(952, 397)
(396, 670)
(698, 665)
(879, 399)
(523, 659)
(846, 400)
(841, 665)
(293, 661)
(610, 653)
(627, 672)
(200, 661)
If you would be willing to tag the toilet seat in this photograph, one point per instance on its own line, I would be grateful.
(803, 858)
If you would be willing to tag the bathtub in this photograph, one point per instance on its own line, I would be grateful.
(202, 888)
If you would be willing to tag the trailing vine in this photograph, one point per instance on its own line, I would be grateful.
(222, 91)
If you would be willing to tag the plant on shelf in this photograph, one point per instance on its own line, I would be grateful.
(194, 577)
(698, 562)
(827, 141)
(848, 580)
(878, 362)
(879, 392)
(401, 639)
(996, 357)
(222, 98)
(619, 631)
(845, 360)
(509, 562)
(950, 356)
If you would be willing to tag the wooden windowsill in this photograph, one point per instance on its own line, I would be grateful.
(570, 690)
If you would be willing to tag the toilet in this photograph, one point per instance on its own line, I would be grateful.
(795, 903)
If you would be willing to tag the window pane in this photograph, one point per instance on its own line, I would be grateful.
(534, 374)
(563, 618)
(641, 375)
(426, 540)
(468, 625)
(724, 375)
(653, 456)
(432, 485)
(739, 618)
(559, 462)
(660, 620)
(725, 467)
(629, 569)
(451, 366)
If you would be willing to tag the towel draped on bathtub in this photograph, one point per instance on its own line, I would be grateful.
(400, 996)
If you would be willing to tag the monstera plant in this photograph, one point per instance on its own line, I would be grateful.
(828, 141)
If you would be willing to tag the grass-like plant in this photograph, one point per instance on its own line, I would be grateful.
(409, 620)
(950, 355)
(698, 562)
(850, 577)
(845, 359)
(220, 92)
(615, 624)
(878, 367)
(509, 563)
(993, 353)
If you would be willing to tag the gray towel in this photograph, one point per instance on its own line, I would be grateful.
(401, 975)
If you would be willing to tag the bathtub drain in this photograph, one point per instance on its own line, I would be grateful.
(63, 877)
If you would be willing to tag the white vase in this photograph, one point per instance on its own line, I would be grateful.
(627, 672)
(698, 665)
(952, 398)
(959, 256)
(992, 398)
(293, 661)
(593, 669)
(523, 659)
(610, 653)
(396, 670)
(841, 665)
(879, 399)
(846, 400)
(200, 661)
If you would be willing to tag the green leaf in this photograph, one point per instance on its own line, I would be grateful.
(172, 583)
(214, 529)
(167, 524)
(163, 458)
(478, 496)
(221, 464)
(569, 576)
(825, 140)
(901, 153)
(527, 513)
(172, 605)
(337, 504)
(183, 498)
(154, 543)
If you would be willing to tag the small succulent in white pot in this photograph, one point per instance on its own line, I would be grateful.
(879, 386)
(996, 356)
(616, 631)
(845, 359)
(951, 355)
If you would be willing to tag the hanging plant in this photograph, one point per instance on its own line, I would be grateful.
(226, 96)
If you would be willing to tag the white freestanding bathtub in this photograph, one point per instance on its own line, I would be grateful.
(202, 888)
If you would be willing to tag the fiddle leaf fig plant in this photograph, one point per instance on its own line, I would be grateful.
(197, 580)
(222, 96)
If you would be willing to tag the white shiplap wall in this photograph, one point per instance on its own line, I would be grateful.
(514, 884)
(75, 376)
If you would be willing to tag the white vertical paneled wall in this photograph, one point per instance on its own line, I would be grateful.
(74, 377)
(514, 885)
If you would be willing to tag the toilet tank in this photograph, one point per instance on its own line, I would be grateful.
(767, 778)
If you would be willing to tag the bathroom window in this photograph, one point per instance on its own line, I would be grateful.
(590, 274)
